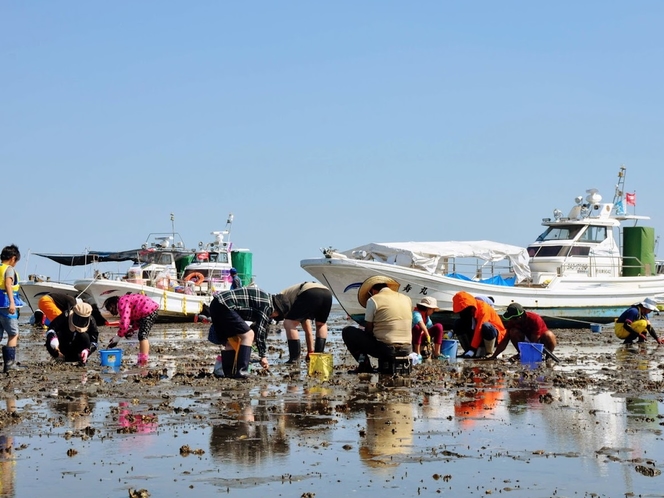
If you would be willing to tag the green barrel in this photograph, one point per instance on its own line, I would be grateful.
(242, 262)
(638, 251)
(182, 262)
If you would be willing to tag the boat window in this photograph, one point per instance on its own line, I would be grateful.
(560, 233)
(579, 251)
(219, 257)
(546, 251)
(593, 234)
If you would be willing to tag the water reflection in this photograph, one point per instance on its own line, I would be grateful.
(75, 409)
(308, 407)
(389, 433)
(249, 434)
(7, 459)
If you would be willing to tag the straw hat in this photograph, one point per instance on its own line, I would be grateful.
(429, 302)
(363, 293)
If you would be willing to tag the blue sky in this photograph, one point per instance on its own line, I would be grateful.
(320, 123)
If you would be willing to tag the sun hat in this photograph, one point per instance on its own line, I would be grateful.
(363, 293)
(649, 304)
(429, 302)
(513, 310)
(79, 317)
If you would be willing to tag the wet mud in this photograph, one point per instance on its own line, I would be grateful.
(590, 425)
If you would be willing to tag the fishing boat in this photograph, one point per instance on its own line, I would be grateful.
(181, 280)
(586, 267)
(37, 286)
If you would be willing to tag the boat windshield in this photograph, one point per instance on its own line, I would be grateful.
(560, 233)
(155, 257)
(218, 257)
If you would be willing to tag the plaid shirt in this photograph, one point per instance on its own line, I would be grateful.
(253, 305)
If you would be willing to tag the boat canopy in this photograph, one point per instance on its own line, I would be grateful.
(92, 257)
(426, 255)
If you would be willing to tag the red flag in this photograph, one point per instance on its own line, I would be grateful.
(630, 198)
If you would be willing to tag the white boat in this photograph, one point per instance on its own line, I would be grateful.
(182, 281)
(584, 268)
(38, 286)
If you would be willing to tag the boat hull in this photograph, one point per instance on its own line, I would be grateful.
(565, 301)
(32, 292)
(173, 306)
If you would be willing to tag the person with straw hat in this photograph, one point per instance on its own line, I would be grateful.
(524, 326)
(387, 327)
(633, 323)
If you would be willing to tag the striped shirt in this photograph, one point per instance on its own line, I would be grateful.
(252, 305)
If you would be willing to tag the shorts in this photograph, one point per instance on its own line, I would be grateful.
(227, 322)
(9, 325)
(313, 304)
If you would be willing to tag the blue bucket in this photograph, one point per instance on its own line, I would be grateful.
(110, 357)
(448, 348)
(595, 327)
(531, 352)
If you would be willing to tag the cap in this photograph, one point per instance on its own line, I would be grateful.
(79, 317)
(513, 310)
(429, 302)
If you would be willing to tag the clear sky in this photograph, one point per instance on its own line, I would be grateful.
(320, 123)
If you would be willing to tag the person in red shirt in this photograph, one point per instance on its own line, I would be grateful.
(524, 326)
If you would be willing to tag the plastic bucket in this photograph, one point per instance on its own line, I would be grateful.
(321, 365)
(110, 357)
(448, 349)
(595, 327)
(531, 352)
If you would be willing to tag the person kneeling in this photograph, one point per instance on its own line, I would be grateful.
(72, 336)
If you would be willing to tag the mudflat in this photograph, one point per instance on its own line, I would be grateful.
(588, 425)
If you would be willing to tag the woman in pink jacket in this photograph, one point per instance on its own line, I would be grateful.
(137, 312)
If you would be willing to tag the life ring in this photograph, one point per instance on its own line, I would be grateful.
(196, 277)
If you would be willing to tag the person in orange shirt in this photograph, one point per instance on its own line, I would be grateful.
(478, 327)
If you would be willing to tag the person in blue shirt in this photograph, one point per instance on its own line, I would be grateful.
(633, 323)
(424, 329)
(236, 283)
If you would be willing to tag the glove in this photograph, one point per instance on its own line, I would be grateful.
(84, 356)
(55, 343)
(660, 341)
(468, 354)
(93, 347)
(114, 342)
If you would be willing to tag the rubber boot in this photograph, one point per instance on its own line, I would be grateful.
(489, 345)
(319, 346)
(9, 358)
(243, 358)
(293, 351)
(142, 359)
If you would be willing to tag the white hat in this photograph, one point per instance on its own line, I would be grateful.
(649, 304)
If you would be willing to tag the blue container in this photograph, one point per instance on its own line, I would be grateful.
(110, 357)
(448, 349)
(531, 352)
(595, 327)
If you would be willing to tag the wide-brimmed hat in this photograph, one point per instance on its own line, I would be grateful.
(79, 317)
(513, 310)
(429, 302)
(363, 293)
(649, 304)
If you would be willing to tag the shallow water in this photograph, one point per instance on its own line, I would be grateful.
(518, 433)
